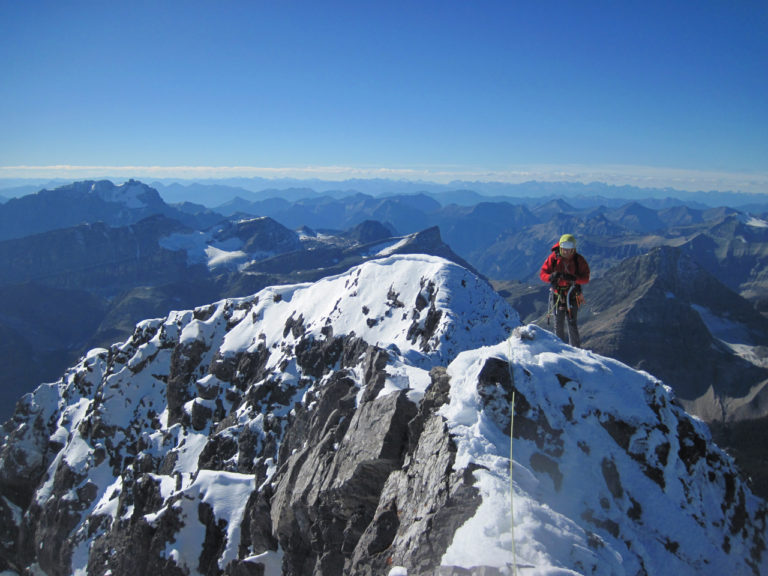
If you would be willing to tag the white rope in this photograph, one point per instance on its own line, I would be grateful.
(511, 489)
(511, 445)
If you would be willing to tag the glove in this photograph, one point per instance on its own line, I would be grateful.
(554, 278)
(569, 277)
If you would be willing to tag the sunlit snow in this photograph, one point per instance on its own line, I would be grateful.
(539, 516)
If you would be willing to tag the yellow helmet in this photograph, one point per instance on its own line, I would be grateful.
(567, 241)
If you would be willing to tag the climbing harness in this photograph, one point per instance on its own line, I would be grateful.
(560, 298)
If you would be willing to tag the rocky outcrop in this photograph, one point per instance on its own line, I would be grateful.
(285, 434)
(655, 310)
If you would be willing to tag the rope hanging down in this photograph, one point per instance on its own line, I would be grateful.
(511, 444)
(511, 489)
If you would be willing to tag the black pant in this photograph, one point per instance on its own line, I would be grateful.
(562, 315)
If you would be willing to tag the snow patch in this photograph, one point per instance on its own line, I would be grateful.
(202, 248)
(218, 257)
(391, 248)
(756, 222)
(734, 335)
(128, 194)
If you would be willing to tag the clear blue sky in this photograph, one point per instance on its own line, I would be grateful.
(483, 89)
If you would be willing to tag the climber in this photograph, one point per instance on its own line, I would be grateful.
(566, 270)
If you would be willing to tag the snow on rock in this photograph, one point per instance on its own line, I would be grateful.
(446, 309)
(132, 194)
(361, 424)
(233, 244)
(610, 475)
(755, 222)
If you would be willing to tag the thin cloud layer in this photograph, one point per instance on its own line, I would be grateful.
(640, 176)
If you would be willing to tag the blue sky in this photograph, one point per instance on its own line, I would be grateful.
(657, 93)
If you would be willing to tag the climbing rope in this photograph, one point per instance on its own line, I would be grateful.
(511, 489)
(511, 445)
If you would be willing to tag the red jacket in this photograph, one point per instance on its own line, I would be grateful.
(576, 266)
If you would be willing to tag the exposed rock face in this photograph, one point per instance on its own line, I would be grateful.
(91, 255)
(370, 231)
(284, 433)
(664, 313)
(87, 201)
(262, 233)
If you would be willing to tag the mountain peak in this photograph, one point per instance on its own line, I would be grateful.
(428, 241)
(369, 231)
(361, 424)
(84, 201)
(132, 194)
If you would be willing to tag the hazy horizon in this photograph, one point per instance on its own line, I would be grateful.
(208, 191)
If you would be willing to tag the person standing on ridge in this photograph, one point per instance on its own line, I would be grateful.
(566, 271)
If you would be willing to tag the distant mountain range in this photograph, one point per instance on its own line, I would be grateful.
(676, 289)
(214, 192)
(508, 241)
(88, 201)
(217, 191)
(503, 239)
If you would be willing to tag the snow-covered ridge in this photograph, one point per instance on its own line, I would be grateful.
(371, 409)
(453, 309)
(598, 445)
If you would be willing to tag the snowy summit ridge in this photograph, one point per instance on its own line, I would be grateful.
(360, 424)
